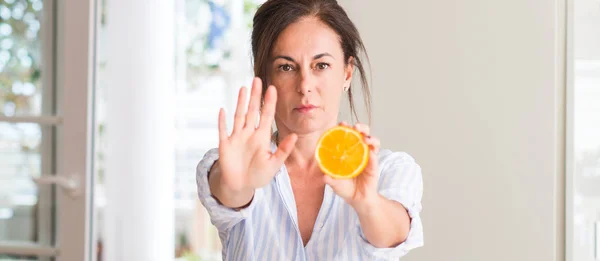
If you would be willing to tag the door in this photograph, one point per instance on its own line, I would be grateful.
(46, 76)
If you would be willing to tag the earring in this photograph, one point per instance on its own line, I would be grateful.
(346, 88)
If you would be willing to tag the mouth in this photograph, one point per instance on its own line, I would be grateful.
(305, 108)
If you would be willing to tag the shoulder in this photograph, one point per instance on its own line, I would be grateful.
(388, 157)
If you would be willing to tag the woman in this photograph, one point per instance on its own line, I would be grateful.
(265, 192)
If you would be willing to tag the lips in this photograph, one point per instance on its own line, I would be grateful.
(305, 108)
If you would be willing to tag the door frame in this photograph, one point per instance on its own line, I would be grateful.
(75, 76)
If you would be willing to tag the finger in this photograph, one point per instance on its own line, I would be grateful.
(374, 143)
(363, 128)
(254, 106)
(337, 185)
(333, 183)
(329, 181)
(240, 112)
(222, 126)
(285, 148)
(343, 123)
(268, 110)
(372, 166)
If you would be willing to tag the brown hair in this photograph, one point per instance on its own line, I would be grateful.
(274, 16)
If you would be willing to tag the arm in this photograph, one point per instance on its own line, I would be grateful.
(246, 163)
(385, 223)
(397, 212)
(387, 202)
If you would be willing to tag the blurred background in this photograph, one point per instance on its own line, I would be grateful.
(107, 106)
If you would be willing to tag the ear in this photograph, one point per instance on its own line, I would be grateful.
(348, 71)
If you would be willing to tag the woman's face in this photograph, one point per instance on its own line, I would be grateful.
(309, 73)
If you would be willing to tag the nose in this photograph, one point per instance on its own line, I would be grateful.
(307, 82)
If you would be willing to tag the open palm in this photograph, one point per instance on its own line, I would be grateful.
(245, 156)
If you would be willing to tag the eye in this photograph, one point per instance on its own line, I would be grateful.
(322, 66)
(285, 67)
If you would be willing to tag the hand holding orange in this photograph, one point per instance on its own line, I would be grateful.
(348, 158)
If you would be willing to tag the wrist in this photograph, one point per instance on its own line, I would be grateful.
(235, 198)
(368, 205)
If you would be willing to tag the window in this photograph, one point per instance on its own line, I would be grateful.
(583, 121)
(213, 60)
(37, 77)
(24, 146)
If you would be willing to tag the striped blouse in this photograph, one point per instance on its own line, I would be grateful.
(268, 228)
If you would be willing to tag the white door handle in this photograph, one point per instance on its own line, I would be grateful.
(69, 185)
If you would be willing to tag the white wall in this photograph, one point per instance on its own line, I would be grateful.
(473, 89)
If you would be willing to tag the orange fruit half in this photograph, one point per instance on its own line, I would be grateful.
(341, 152)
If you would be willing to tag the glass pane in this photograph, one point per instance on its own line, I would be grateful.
(20, 57)
(23, 216)
(212, 62)
(586, 130)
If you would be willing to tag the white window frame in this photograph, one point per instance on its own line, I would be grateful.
(75, 78)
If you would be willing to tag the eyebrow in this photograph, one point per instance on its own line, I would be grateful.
(318, 56)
